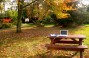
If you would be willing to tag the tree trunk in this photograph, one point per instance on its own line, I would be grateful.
(0, 23)
(20, 5)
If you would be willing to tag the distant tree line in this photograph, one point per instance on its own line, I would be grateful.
(63, 13)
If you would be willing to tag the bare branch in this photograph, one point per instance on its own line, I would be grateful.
(29, 3)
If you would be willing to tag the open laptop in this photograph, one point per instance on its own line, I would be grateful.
(63, 33)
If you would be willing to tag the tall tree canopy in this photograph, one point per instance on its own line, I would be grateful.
(37, 10)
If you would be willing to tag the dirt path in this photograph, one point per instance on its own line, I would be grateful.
(31, 32)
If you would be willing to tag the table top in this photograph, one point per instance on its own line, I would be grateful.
(69, 36)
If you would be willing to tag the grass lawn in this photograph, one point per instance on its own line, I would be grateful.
(31, 42)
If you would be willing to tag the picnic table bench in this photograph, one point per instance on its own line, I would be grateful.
(76, 40)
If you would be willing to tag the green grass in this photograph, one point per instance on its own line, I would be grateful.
(31, 42)
(85, 31)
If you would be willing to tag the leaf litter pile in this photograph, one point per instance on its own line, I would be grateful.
(30, 44)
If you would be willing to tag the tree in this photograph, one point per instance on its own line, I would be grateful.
(80, 15)
(20, 8)
(37, 11)
(60, 10)
(1, 8)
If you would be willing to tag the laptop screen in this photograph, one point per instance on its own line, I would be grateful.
(63, 32)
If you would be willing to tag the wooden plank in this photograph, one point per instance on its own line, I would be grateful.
(69, 36)
(66, 47)
(68, 42)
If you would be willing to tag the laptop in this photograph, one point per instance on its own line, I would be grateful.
(63, 33)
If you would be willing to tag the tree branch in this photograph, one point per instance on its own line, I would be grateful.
(29, 3)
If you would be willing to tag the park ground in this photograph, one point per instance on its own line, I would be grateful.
(31, 42)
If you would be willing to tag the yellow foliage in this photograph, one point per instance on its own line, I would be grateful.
(61, 7)
(48, 2)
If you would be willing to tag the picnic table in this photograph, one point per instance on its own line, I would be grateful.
(76, 40)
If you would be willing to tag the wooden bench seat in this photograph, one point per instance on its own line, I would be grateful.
(66, 47)
(67, 42)
(79, 48)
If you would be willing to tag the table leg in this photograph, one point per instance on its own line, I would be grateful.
(81, 54)
(50, 55)
(80, 41)
(53, 41)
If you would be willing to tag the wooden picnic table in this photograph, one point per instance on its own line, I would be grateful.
(73, 39)
(70, 39)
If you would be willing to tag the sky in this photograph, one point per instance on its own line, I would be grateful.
(85, 2)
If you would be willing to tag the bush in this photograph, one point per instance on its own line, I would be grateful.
(13, 15)
(6, 25)
(47, 20)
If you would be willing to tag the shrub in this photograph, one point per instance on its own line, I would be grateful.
(6, 25)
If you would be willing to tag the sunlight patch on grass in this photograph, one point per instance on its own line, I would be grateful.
(84, 31)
